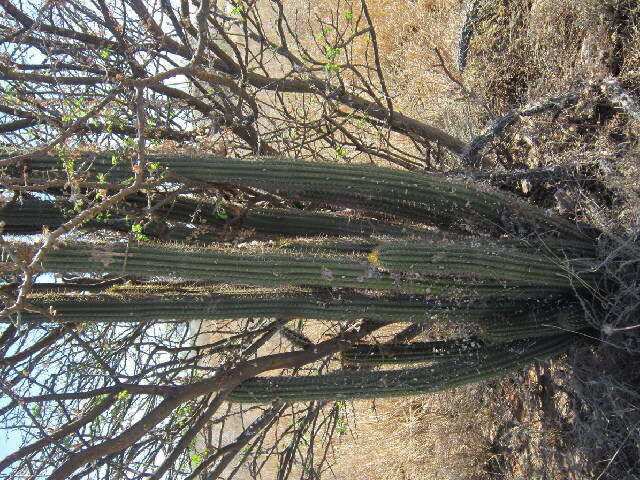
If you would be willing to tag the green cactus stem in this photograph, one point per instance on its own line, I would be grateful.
(552, 247)
(490, 261)
(321, 245)
(416, 352)
(296, 338)
(535, 323)
(249, 267)
(300, 223)
(304, 305)
(30, 215)
(181, 209)
(478, 365)
(395, 192)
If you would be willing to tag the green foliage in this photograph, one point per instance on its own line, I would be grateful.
(220, 210)
(196, 458)
(237, 10)
(340, 152)
(105, 53)
(137, 229)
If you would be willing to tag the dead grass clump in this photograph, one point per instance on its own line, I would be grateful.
(574, 418)
(408, 33)
(528, 49)
(500, 66)
(442, 435)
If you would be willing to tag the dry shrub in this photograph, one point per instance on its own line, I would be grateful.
(604, 420)
(526, 51)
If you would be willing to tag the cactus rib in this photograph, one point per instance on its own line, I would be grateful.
(535, 323)
(299, 223)
(487, 261)
(296, 339)
(416, 352)
(31, 215)
(28, 216)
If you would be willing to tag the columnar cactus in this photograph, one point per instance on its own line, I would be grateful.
(299, 223)
(296, 338)
(275, 269)
(412, 248)
(29, 215)
(383, 190)
(535, 323)
(491, 261)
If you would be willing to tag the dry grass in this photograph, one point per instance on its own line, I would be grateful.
(417, 438)
(407, 33)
